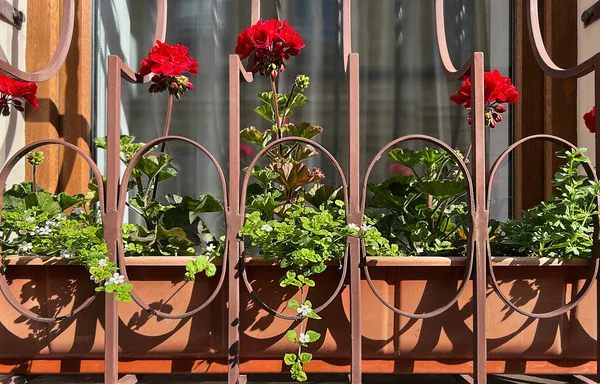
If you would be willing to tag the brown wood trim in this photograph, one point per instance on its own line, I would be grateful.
(75, 103)
(43, 23)
(65, 99)
(547, 105)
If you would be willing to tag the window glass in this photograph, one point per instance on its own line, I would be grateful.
(403, 88)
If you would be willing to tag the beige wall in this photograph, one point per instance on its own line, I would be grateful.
(12, 128)
(588, 45)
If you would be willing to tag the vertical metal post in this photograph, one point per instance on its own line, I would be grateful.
(355, 216)
(595, 250)
(234, 220)
(111, 231)
(481, 219)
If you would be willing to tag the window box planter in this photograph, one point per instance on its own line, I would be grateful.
(414, 284)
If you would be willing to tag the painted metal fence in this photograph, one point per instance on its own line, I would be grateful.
(478, 265)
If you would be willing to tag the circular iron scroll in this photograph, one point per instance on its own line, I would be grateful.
(4, 287)
(59, 56)
(542, 56)
(121, 212)
(470, 240)
(337, 166)
(593, 270)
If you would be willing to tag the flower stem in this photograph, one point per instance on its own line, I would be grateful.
(277, 119)
(34, 178)
(164, 144)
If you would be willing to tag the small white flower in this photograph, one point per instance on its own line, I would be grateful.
(52, 223)
(61, 217)
(25, 247)
(102, 262)
(77, 211)
(304, 338)
(92, 277)
(420, 250)
(32, 233)
(304, 310)
(353, 226)
(22, 231)
(44, 230)
(116, 279)
(210, 248)
(365, 227)
(29, 219)
(67, 253)
(266, 228)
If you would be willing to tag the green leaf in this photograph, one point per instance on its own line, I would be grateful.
(305, 357)
(256, 137)
(444, 189)
(314, 336)
(313, 315)
(305, 130)
(289, 358)
(301, 376)
(266, 112)
(67, 201)
(291, 336)
(406, 157)
(210, 270)
(43, 201)
(293, 304)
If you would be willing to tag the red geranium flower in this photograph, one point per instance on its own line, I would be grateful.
(398, 169)
(590, 120)
(272, 42)
(169, 63)
(498, 90)
(14, 92)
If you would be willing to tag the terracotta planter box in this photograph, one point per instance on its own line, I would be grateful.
(412, 284)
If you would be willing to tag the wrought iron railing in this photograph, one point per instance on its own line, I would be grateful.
(478, 261)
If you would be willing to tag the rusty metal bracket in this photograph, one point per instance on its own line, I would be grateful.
(11, 14)
(591, 14)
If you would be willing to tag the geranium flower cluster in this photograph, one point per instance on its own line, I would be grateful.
(272, 42)
(16, 93)
(498, 90)
(168, 63)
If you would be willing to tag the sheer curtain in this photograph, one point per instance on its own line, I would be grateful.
(403, 88)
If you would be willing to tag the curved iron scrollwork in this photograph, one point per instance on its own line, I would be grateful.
(6, 169)
(340, 172)
(470, 239)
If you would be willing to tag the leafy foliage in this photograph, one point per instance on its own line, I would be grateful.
(561, 227)
(422, 211)
(37, 223)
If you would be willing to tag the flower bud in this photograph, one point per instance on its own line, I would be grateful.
(500, 108)
(5, 110)
(35, 158)
(302, 82)
(273, 73)
(497, 117)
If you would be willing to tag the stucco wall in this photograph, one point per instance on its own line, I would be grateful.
(588, 45)
(12, 128)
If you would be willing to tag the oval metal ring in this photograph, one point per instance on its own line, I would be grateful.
(4, 287)
(470, 240)
(243, 212)
(541, 54)
(442, 42)
(121, 211)
(593, 270)
(59, 56)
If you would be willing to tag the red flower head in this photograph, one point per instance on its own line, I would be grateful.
(272, 43)
(16, 92)
(590, 120)
(398, 169)
(497, 91)
(168, 63)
